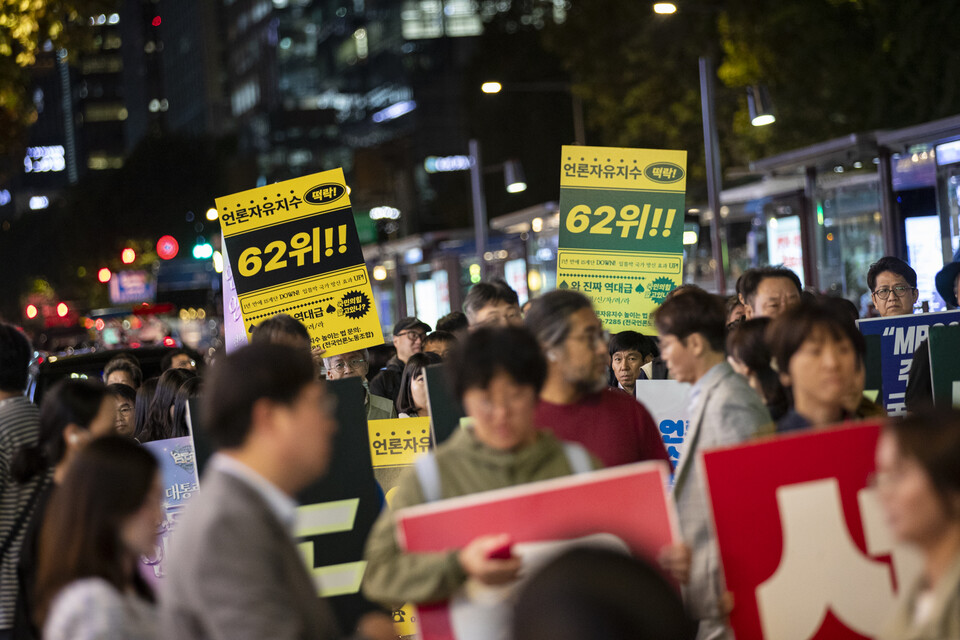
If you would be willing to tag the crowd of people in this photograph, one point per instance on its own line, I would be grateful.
(546, 393)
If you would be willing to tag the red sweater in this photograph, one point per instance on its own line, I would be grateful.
(610, 424)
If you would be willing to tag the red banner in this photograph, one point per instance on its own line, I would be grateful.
(629, 503)
(805, 549)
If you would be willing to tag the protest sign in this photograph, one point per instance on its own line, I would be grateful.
(629, 503)
(445, 408)
(945, 365)
(293, 248)
(178, 473)
(234, 332)
(621, 230)
(667, 401)
(394, 445)
(805, 548)
(899, 338)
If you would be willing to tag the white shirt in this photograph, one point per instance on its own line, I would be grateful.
(282, 505)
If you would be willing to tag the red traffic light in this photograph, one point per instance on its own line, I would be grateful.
(32, 311)
(167, 247)
(63, 309)
(128, 255)
(156, 21)
(104, 275)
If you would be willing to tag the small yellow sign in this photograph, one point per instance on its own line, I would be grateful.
(398, 442)
(293, 249)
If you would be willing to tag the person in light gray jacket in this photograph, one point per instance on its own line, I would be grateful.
(724, 410)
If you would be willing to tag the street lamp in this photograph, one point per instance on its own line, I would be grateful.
(760, 106)
(514, 182)
(664, 8)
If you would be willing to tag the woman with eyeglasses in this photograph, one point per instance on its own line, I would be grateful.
(918, 480)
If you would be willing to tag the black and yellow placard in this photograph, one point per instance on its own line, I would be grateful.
(621, 230)
(293, 248)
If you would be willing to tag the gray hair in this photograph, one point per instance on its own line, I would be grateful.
(327, 359)
(548, 317)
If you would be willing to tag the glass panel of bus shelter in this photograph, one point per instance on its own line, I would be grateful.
(849, 236)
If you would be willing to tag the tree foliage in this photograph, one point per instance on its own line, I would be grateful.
(25, 28)
(833, 67)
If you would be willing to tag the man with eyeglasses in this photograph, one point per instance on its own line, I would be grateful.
(893, 286)
(575, 403)
(408, 336)
(355, 364)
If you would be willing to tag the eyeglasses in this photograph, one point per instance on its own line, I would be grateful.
(354, 365)
(415, 336)
(901, 290)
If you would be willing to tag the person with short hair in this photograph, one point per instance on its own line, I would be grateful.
(408, 337)
(497, 375)
(123, 370)
(918, 483)
(893, 287)
(19, 429)
(723, 411)
(492, 304)
(178, 359)
(454, 322)
(234, 570)
(126, 400)
(356, 364)
(101, 519)
(282, 329)
(592, 593)
(440, 343)
(629, 351)
(768, 291)
(576, 404)
(817, 351)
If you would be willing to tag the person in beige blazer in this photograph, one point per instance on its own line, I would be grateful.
(724, 410)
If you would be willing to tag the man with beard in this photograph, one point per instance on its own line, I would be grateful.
(575, 403)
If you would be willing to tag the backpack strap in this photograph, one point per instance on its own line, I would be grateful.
(428, 473)
(577, 457)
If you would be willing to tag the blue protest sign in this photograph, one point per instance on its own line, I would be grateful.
(899, 338)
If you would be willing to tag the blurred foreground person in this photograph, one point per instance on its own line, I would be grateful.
(497, 375)
(723, 411)
(235, 571)
(576, 404)
(103, 516)
(918, 477)
(74, 413)
(598, 594)
(19, 429)
(356, 364)
(816, 351)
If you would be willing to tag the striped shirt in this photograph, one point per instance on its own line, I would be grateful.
(19, 428)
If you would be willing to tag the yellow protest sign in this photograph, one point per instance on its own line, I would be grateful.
(293, 249)
(394, 446)
(621, 230)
